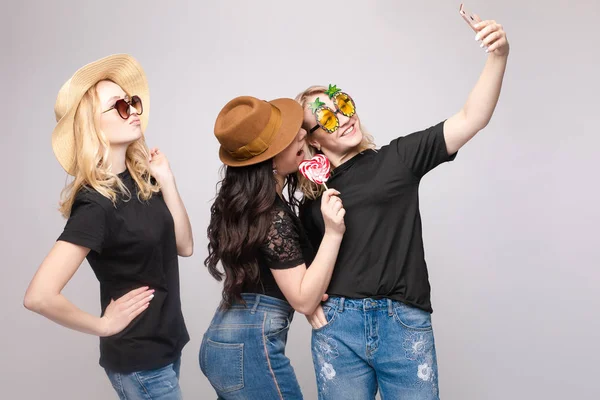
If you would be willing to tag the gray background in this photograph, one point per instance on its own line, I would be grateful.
(510, 226)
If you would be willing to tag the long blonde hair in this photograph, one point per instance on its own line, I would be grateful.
(309, 189)
(92, 167)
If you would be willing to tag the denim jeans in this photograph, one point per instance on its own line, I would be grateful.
(369, 345)
(157, 384)
(243, 351)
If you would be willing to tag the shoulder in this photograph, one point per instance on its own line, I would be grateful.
(284, 223)
(91, 198)
(280, 215)
(431, 131)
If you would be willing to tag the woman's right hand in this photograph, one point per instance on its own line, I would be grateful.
(121, 312)
(317, 319)
(333, 212)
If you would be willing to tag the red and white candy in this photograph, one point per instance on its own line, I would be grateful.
(316, 170)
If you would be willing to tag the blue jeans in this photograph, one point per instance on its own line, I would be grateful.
(243, 351)
(156, 384)
(374, 344)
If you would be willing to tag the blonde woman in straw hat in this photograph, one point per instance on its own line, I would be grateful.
(126, 217)
(258, 239)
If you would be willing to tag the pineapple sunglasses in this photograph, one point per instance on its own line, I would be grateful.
(326, 117)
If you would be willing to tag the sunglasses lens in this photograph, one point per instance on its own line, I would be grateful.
(327, 119)
(345, 104)
(136, 103)
(122, 108)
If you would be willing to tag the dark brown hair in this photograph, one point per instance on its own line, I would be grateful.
(241, 216)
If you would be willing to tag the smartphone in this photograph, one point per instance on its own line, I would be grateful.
(469, 17)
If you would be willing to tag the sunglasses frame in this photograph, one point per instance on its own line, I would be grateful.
(114, 107)
(332, 92)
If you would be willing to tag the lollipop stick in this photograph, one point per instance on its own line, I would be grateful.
(326, 188)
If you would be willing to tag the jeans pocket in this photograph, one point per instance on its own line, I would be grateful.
(277, 324)
(330, 316)
(154, 374)
(159, 382)
(223, 365)
(412, 317)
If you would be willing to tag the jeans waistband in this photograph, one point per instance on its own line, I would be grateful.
(255, 301)
(367, 304)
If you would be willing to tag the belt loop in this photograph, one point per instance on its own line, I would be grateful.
(341, 306)
(390, 307)
(256, 301)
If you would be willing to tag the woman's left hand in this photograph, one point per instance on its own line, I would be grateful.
(159, 166)
(492, 35)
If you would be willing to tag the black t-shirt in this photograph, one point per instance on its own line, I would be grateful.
(286, 246)
(132, 245)
(382, 255)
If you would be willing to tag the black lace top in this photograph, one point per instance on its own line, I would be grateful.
(287, 246)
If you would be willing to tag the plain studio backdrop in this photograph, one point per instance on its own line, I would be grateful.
(509, 227)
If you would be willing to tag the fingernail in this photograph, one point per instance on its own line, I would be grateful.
(481, 45)
(477, 37)
(151, 296)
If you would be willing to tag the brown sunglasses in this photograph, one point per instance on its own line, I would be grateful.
(123, 106)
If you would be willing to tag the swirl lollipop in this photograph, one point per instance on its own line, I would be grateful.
(316, 170)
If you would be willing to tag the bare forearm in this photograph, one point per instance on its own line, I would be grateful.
(317, 277)
(304, 287)
(482, 100)
(480, 105)
(60, 310)
(183, 227)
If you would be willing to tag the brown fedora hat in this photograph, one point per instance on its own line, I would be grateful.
(122, 69)
(252, 130)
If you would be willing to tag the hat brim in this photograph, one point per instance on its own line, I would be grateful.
(292, 116)
(122, 69)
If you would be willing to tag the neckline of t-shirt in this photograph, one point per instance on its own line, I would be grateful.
(125, 174)
(347, 164)
(284, 205)
(282, 202)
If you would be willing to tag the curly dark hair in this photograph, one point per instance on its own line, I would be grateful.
(241, 216)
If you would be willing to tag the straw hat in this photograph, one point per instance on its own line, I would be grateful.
(122, 69)
(252, 130)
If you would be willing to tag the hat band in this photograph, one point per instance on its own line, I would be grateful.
(264, 139)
